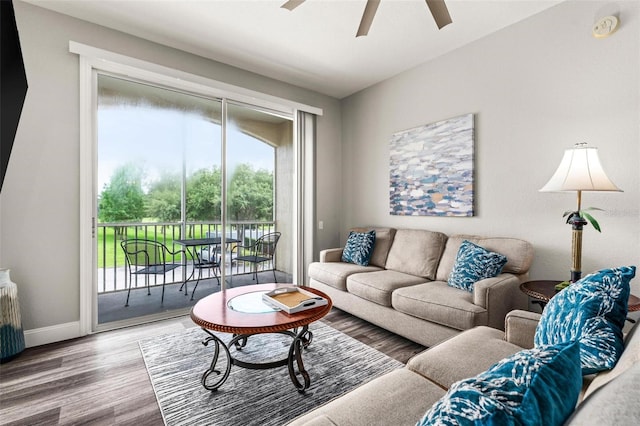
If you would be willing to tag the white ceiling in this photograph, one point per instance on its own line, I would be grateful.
(313, 46)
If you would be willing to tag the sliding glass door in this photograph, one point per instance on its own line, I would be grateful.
(260, 190)
(175, 166)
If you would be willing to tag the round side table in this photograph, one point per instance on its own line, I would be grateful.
(542, 291)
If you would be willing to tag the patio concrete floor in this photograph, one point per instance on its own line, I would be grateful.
(111, 305)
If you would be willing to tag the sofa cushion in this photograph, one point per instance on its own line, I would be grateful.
(474, 263)
(593, 311)
(335, 274)
(536, 386)
(614, 404)
(437, 302)
(519, 253)
(359, 247)
(462, 356)
(416, 252)
(384, 239)
(397, 398)
(377, 286)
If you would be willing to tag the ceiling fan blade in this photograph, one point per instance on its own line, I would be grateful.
(367, 17)
(440, 13)
(292, 4)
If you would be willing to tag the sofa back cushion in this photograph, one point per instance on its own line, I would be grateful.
(519, 253)
(416, 252)
(384, 239)
(615, 404)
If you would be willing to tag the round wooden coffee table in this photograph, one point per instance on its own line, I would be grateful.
(241, 312)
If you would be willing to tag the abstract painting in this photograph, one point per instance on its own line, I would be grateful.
(431, 169)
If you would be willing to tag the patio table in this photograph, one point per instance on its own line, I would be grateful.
(191, 245)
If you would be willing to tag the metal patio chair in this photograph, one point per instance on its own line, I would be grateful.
(147, 257)
(213, 253)
(208, 258)
(260, 253)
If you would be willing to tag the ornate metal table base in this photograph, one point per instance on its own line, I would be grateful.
(301, 340)
(242, 313)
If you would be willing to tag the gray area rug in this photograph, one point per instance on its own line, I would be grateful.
(336, 363)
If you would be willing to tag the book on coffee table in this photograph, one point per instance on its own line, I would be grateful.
(293, 299)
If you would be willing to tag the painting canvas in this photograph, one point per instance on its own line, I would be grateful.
(431, 169)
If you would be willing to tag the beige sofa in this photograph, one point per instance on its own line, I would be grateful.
(404, 288)
(403, 396)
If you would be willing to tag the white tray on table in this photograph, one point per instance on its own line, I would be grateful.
(293, 299)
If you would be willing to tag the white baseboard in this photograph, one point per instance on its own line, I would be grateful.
(51, 334)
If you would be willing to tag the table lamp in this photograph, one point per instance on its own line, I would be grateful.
(580, 170)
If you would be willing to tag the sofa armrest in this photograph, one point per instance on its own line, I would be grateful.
(520, 327)
(331, 255)
(499, 295)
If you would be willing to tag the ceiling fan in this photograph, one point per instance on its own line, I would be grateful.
(437, 7)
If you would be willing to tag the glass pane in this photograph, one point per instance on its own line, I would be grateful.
(260, 194)
(159, 156)
(250, 303)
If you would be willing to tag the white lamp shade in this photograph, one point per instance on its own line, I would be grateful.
(580, 170)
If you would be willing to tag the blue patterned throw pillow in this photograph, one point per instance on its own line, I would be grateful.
(538, 386)
(474, 263)
(359, 247)
(591, 311)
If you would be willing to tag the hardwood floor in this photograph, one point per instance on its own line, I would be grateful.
(102, 380)
(384, 341)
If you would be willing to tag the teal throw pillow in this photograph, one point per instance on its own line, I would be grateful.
(474, 263)
(538, 386)
(591, 311)
(359, 247)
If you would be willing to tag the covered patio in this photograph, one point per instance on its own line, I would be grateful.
(113, 278)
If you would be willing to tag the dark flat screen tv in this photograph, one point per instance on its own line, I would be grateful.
(13, 83)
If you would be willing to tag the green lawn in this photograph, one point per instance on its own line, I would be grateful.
(110, 252)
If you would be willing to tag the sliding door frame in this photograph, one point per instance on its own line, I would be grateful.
(92, 61)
